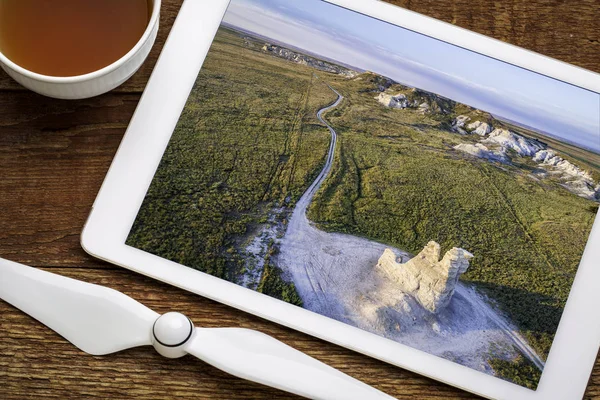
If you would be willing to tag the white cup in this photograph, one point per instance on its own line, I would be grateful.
(94, 83)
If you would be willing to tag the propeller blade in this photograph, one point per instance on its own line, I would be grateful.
(99, 321)
(96, 319)
(257, 357)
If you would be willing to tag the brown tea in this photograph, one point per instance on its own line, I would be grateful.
(70, 37)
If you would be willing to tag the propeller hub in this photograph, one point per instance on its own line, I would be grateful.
(170, 333)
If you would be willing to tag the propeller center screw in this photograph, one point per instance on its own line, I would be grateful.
(170, 333)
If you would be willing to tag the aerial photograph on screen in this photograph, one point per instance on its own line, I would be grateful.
(399, 184)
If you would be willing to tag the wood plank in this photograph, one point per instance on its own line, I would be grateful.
(53, 157)
(568, 31)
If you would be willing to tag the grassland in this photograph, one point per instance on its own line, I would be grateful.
(248, 140)
(397, 180)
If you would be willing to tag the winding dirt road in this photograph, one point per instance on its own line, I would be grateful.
(307, 197)
(335, 276)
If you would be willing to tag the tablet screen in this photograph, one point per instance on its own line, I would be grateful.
(397, 183)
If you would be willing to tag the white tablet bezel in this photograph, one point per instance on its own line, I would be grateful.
(575, 347)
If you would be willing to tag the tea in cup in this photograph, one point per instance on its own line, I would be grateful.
(73, 48)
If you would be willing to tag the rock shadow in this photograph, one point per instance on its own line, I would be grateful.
(529, 311)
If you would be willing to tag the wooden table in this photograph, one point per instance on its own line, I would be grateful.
(53, 157)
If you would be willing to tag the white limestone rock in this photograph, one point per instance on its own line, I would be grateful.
(304, 59)
(549, 159)
(480, 128)
(570, 169)
(393, 101)
(481, 151)
(510, 140)
(577, 181)
(544, 156)
(428, 279)
(583, 188)
(458, 124)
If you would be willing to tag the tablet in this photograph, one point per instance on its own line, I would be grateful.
(375, 178)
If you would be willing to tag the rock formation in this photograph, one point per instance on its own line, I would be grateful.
(497, 143)
(304, 59)
(480, 128)
(411, 98)
(549, 158)
(393, 101)
(570, 176)
(428, 279)
(510, 140)
(459, 123)
(481, 151)
(576, 180)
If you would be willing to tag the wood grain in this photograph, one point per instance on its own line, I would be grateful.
(53, 158)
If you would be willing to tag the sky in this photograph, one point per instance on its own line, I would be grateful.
(419, 61)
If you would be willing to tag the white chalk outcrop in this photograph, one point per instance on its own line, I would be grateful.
(571, 177)
(549, 158)
(480, 128)
(304, 59)
(481, 151)
(428, 279)
(575, 179)
(510, 140)
(499, 144)
(583, 189)
(459, 123)
(393, 101)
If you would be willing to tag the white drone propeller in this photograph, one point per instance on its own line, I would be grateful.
(100, 321)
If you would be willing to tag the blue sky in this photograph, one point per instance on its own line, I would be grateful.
(351, 38)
